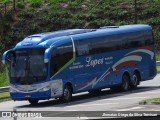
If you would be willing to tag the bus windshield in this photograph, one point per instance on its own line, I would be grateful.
(27, 66)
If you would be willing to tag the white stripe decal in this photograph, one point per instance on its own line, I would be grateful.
(144, 51)
(93, 83)
(125, 59)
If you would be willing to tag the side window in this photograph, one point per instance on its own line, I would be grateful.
(122, 41)
(137, 39)
(60, 57)
(110, 43)
(148, 37)
(100, 44)
(83, 49)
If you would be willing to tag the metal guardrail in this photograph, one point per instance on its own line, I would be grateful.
(6, 89)
(158, 63)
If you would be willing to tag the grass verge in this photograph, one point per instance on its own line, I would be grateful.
(158, 69)
(4, 96)
(153, 100)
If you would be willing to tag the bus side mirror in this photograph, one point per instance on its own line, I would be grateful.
(47, 55)
(6, 55)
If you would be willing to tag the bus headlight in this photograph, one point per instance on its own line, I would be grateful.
(45, 88)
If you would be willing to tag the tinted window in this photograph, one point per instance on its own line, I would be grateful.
(103, 44)
(60, 56)
(136, 39)
(113, 42)
(148, 36)
(82, 47)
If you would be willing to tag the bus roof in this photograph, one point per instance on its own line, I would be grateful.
(49, 37)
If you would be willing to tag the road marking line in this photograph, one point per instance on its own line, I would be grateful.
(155, 110)
(128, 109)
(72, 110)
(108, 100)
(125, 98)
(148, 93)
(83, 118)
(92, 105)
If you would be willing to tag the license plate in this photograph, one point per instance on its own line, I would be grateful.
(27, 96)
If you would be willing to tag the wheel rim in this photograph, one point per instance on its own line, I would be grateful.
(66, 94)
(135, 80)
(125, 82)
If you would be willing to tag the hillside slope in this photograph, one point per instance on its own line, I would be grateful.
(36, 16)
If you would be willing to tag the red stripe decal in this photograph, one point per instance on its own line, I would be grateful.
(147, 47)
(124, 64)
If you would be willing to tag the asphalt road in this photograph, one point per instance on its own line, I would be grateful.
(106, 101)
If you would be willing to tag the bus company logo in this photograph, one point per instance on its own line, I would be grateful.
(21, 114)
(94, 62)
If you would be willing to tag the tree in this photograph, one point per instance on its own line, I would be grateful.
(14, 4)
(135, 11)
(1, 25)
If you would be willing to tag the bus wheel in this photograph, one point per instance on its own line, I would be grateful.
(125, 83)
(33, 102)
(67, 95)
(135, 80)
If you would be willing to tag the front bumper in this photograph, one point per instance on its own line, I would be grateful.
(29, 96)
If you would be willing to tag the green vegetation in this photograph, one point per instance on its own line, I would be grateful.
(35, 3)
(153, 100)
(3, 79)
(158, 69)
(158, 57)
(4, 96)
(36, 16)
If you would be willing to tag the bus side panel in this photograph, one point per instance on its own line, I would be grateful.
(104, 70)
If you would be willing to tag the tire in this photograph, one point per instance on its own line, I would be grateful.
(67, 94)
(135, 81)
(33, 102)
(125, 82)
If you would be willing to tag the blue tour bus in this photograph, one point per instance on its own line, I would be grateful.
(58, 64)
